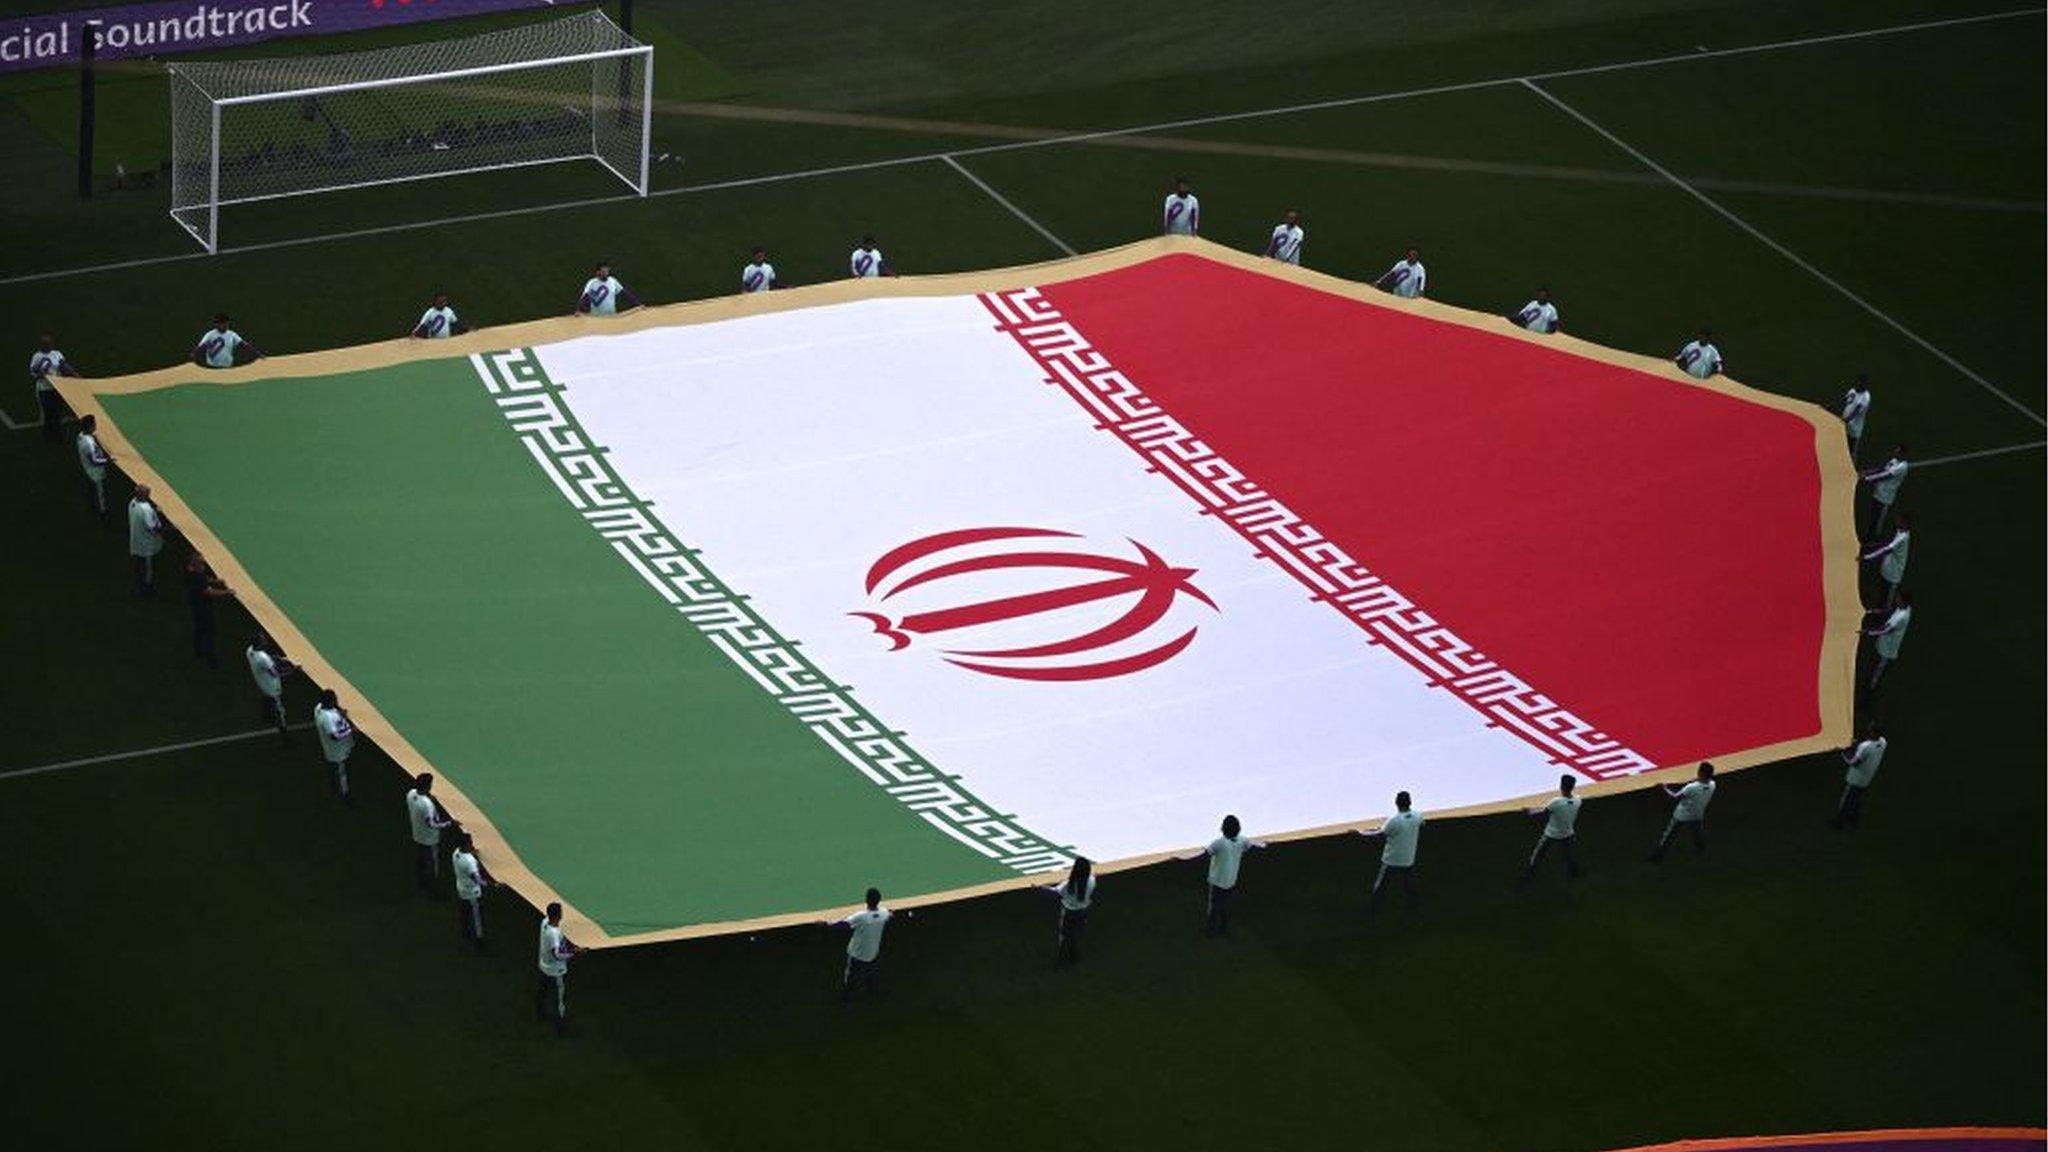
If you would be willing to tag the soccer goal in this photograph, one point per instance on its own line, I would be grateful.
(246, 130)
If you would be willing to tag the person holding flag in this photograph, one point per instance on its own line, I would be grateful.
(220, 346)
(1861, 760)
(866, 263)
(1884, 481)
(551, 996)
(1699, 358)
(1855, 410)
(146, 529)
(439, 321)
(337, 741)
(1285, 243)
(759, 274)
(427, 818)
(1407, 279)
(93, 459)
(1538, 315)
(45, 363)
(604, 294)
(1183, 212)
(1891, 559)
(471, 878)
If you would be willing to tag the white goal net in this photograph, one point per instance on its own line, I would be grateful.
(243, 130)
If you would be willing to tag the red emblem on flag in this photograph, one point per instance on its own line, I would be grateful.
(1152, 586)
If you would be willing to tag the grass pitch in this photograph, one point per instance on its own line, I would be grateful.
(206, 954)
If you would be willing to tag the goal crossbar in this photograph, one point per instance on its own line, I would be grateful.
(646, 50)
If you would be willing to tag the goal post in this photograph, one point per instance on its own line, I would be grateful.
(577, 88)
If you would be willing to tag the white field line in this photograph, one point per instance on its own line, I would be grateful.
(2029, 446)
(111, 757)
(1787, 253)
(1019, 213)
(1071, 138)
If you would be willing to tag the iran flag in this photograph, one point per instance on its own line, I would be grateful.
(1081, 565)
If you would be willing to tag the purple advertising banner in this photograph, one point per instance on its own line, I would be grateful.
(164, 29)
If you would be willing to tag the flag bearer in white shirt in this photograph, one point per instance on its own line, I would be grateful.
(1402, 833)
(219, 346)
(1560, 829)
(1076, 893)
(94, 460)
(1861, 759)
(863, 945)
(1689, 811)
(1285, 244)
(337, 741)
(145, 539)
(1890, 633)
(866, 263)
(1226, 856)
(1538, 315)
(471, 878)
(269, 669)
(1699, 357)
(551, 995)
(604, 295)
(1855, 410)
(759, 274)
(1884, 481)
(439, 321)
(424, 813)
(1407, 278)
(1183, 213)
(1891, 558)
(46, 363)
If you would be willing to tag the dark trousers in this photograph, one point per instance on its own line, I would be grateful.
(1069, 950)
(1879, 512)
(96, 496)
(1699, 836)
(53, 414)
(145, 574)
(1545, 844)
(427, 865)
(202, 636)
(551, 1000)
(1849, 813)
(1218, 922)
(858, 973)
(272, 712)
(337, 778)
(1379, 886)
(470, 910)
(1877, 670)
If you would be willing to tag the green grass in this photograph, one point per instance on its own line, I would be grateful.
(205, 953)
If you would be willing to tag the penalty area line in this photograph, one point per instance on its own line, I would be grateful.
(999, 198)
(111, 757)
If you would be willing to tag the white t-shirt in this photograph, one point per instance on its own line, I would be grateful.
(1863, 760)
(217, 348)
(1884, 487)
(1562, 817)
(1080, 903)
(1892, 557)
(264, 670)
(44, 365)
(426, 819)
(337, 735)
(1402, 832)
(1894, 632)
(757, 277)
(145, 529)
(1700, 358)
(1692, 801)
(1408, 277)
(1855, 407)
(601, 296)
(554, 951)
(866, 263)
(1538, 316)
(865, 942)
(1286, 243)
(436, 323)
(91, 456)
(1226, 853)
(1183, 214)
(469, 874)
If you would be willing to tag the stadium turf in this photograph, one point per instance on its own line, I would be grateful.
(204, 953)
